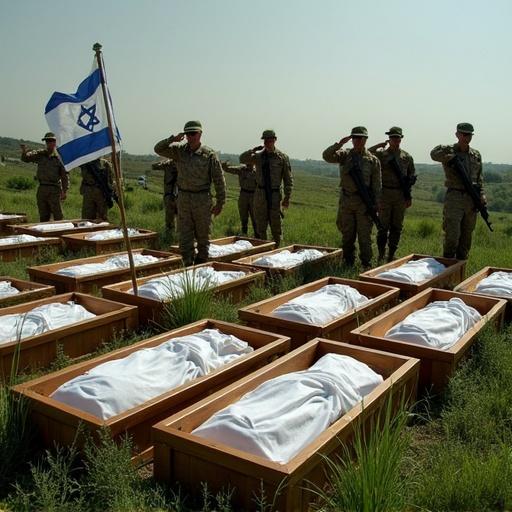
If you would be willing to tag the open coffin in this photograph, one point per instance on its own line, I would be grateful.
(180, 455)
(17, 246)
(15, 291)
(61, 227)
(9, 219)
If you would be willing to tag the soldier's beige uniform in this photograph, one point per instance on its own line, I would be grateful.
(197, 170)
(170, 192)
(353, 219)
(247, 181)
(52, 178)
(94, 204)
(280, 172)
(392, 200)
(459, 213)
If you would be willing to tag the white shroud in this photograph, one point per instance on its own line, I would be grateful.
(498, 283)
(414, 271)
(287, 259)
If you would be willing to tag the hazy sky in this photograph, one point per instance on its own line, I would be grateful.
(310, 70)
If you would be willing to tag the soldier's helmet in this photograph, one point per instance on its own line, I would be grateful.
(268, 134)
(359, 131)
(395, 131)
(465, 128)
(192, 126)
(49, 136)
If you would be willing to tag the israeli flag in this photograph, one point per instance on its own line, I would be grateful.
(80, 122)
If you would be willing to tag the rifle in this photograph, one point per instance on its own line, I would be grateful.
(101, 179)
(474, 191)
(265, 166)
(406, 182)
(365, 192)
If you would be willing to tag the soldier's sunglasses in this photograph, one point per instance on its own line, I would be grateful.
(191, 134)
(357, 137)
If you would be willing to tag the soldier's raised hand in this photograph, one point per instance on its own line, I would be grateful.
(257, 148)
(344, 140)
(179, 137)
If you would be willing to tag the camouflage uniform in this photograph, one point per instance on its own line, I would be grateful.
(196, 172)
(94, 203)
(247, 181)
(392, 201)
(52, 178)
(353, 220)
(459, 213)
(280, 171)
(170, 192)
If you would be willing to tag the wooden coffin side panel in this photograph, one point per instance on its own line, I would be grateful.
(29, 291)
(15, 252)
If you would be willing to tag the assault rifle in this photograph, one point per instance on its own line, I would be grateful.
(101, 178)
(267, 182)
(365, 192)
(406, 182)
(474, 191)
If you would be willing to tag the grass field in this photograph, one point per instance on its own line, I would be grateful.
(454, 452)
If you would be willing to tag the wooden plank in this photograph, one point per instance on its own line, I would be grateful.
(74, 340)
(94, 282)
(437, 365)
(260, 314)
(451, 276)
(6, 224)
(49, 414)
(28, 229)
(150, 310)
(78, 242)
(181, 456)
(14, 252)
(28, 291)
(331, 255)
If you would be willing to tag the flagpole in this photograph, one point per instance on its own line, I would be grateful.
(117, 170)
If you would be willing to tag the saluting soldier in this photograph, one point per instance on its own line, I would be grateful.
(247, 181)
(97, 189)
(398, 176)
(354, 218)
(53, 178)
(459, 213)
(170, 192)
(198, 166)
(272, 169)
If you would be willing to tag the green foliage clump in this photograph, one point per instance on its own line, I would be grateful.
(20, 183)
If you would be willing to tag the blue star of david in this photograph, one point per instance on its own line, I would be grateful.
(92, 120)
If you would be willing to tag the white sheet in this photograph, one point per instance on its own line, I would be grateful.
(321, 306)
(282, 416)
(110, 234)
(7, 289)
(112, 263)
(5, 216)
(414, 271)
(215, 251)
(119, 385)
(54, 227)
(174, 285)
(89, 224)
(439, 325)
(22, 239)
(40, 320)
(287, 259)
(498, 283)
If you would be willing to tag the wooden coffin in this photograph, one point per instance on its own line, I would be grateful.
(77, 242)
(58, 422)
(259, 246)
(74, 340)
(28, 291)
(331, 255)
(13, 252)
(7, 224)
(181, 456)
(437, 366)
(260, 315)
(470, 284)
(451, 276)
(28, 229)
(150, 310)
(93, 283)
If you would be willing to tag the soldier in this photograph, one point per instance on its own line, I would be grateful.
(272, 169)
(459, 214)
(353, 214)
(52, 177)
(198, 166)
(247, 181)
(170, 192)
(398, 175)
(97, 189)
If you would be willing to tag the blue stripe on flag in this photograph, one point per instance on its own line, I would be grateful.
(84, 146)
(85, 90)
